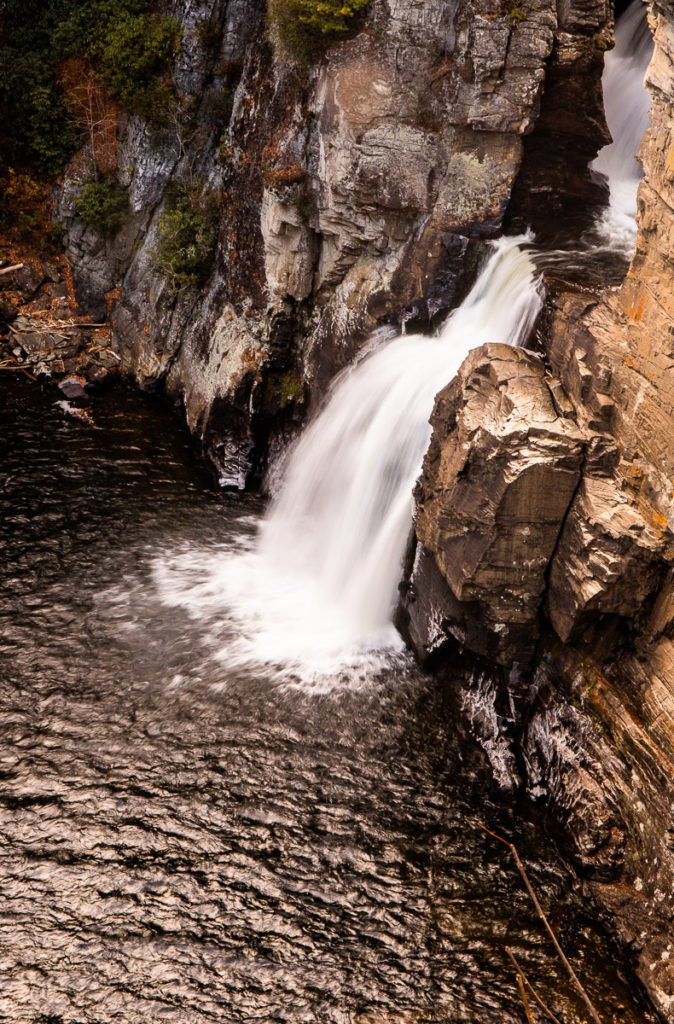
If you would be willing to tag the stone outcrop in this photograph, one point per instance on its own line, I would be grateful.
(499, 476)
(350, 195)
(599, 751)
(593, 719)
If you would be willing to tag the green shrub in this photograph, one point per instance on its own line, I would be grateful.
(128, 46)
(187, 237)
(134, 59)
(306, 27)
(104, 204)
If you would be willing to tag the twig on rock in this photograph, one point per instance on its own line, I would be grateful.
(546, 1009)
(8, 270)
(572, 974)
(527, 1008)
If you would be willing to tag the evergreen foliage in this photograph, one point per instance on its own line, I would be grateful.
(306, 27)
(129, 47)
(187, 237)
(104, 204)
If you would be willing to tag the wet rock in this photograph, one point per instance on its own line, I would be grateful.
(498, 479)
(560, 751)
(599, 749)
(73, 387)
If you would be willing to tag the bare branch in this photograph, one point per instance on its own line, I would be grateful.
(539, 910)
(527, 1008)
(546, 1009)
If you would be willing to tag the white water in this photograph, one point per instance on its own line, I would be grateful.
(315, 592)
(626, 101)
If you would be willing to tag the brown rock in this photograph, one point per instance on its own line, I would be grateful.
(497, 481)
(608, 559)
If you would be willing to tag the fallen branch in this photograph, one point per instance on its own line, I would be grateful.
(546, 1009)
(574, 977)
(81, 326)
(8, 270)
(103, 348)
(527, 1008)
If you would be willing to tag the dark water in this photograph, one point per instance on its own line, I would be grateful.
(179, 844)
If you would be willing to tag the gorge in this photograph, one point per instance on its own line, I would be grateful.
(225, 766)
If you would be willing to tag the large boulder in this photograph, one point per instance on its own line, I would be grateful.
(499, 476)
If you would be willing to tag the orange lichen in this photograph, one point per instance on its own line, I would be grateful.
(637, 312)
(659, 521)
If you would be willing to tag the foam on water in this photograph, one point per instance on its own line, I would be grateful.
(313, 594)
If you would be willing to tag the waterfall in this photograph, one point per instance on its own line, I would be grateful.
(626, 102)
(317, 588)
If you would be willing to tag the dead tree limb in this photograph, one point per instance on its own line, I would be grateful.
(8, 270)
(572, 974)
(546, 1009)
(527, 1008)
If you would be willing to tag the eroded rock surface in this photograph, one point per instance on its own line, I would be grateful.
(499, 476)
(350, 195)
(596, 725)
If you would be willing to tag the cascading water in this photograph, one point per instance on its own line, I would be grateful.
(626, 102)
(317, 590)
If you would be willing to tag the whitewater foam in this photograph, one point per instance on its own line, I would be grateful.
(313, 595)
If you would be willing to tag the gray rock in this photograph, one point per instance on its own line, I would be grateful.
(28, 279)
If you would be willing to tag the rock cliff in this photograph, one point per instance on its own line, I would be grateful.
(544, 531)
(351, 193)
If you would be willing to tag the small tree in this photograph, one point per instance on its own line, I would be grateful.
(187, 237)
(104, 204)
(92, 110)
(306, 27)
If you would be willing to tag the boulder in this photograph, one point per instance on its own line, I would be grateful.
(499, 476)
(608, 560)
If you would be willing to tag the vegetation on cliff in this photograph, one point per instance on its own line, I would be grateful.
(104, 204)
(305, 27)
(187, 237)
(125, 45)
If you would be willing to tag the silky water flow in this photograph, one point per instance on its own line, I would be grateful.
(314, 595)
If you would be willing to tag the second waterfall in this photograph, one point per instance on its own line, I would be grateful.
(314, 593)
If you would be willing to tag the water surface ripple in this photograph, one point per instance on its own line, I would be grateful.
(182, 843)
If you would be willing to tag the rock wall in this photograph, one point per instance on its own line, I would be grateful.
(356, 194)
(352, 194)
(576, 602)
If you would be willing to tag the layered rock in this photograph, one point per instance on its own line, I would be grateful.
(596, 711)
(350, 194)
(499, 476)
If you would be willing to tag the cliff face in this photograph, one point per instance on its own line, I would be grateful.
(357, 193)
(544, 524)
(351, 194)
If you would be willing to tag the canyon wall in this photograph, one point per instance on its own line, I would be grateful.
(352, 193)
(544, 545)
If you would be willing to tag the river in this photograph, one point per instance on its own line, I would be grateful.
(184, 841)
